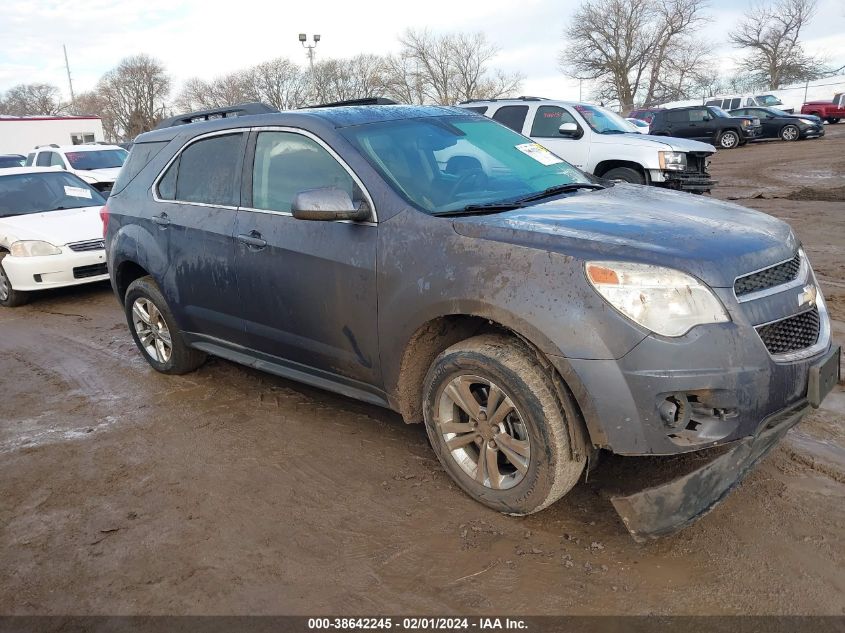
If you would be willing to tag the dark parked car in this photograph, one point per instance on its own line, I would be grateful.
(433, 261)
(778, 124)
(706, 123)
(12, 160)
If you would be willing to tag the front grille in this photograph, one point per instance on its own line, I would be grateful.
(769, 278)
(81, 272)
(791, 334)
(90, 245)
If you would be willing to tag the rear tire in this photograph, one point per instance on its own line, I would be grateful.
(9, 297)
(729, 139)
(833, 120)
(155, 331)
(515, 457)
(625, 174)
(790, 133)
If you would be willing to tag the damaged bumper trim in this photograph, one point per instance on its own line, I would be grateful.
(664, 509)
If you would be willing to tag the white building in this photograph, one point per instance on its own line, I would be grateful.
(20, 135)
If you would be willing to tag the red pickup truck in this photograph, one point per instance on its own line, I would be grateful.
(830, 111)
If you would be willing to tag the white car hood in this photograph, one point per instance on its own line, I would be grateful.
(657, 143)
(99, 175)
(57, 227)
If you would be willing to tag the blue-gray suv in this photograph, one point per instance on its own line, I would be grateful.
(433, 261)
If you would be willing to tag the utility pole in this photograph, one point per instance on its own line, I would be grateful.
(69, 82)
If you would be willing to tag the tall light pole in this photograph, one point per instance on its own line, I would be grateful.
(69, 82)
(310, 47)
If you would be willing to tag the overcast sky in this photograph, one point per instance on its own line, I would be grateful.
(205, 39)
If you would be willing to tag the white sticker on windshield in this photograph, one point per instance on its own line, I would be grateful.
(77, 192)
(539, 153)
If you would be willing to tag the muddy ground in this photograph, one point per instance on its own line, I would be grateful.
(229, 491)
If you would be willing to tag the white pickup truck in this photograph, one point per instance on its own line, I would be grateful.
(602, 143)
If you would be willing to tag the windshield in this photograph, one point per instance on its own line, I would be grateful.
(22, 194)
(447, 163)
(719, 112)
(11, 161)
(603, 121)
(769, 100)
(97, 159)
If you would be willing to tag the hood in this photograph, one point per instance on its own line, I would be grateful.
(99, 175)
(57, 227)
(713, 240)
(656, 143)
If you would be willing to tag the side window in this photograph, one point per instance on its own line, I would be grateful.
(30, 158)
(697, 116)
(680, 116)
(287, 163)
(206, 171)
(512, 116)
(735, 103)
(714, 102)
(548, 119)
(43, 159)
(56, 160)
(479, 109)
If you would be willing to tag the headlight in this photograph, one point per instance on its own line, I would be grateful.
(673, 160)
(663, 300)
(806, 121)
(33, 248)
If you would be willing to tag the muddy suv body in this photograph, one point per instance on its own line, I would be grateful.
(706, 123)
(529, 316)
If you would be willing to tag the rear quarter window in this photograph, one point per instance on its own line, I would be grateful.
(139, 157)
(512, 116)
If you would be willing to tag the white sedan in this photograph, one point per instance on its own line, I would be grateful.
(51, 234)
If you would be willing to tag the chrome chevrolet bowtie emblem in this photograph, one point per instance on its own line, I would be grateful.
(808, 295)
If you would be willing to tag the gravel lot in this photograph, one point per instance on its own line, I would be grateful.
(229, 491)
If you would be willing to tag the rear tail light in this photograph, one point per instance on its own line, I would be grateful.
(104, 216)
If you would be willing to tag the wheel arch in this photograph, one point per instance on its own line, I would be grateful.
(606, 165)
(437, 334)
(125, 273)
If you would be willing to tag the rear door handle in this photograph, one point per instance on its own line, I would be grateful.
(253, 240)
(161, 220)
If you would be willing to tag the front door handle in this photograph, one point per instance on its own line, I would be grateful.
(253, 240)
(161, 220)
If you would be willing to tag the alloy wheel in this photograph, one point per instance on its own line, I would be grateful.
(789, 133)
(484, 432)
(152, 330)
(729, 140)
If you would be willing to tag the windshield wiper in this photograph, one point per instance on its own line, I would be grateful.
(553, 191)
(614, 132)
(480, 209)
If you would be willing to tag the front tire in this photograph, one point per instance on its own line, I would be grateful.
(155, 332)
(625, 174)
(833, 120)
(9, 297)
(729, 139)
(790, 133)
(497, 424)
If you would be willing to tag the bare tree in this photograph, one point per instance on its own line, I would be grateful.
(134, 95)
(353, 78)
(32, 99)
(450, 68)
(771, 32)
(637, 51)
(402, 82)
(94, 104)
(279, 83)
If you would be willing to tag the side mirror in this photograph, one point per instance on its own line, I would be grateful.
(327, 204)
(569, 129)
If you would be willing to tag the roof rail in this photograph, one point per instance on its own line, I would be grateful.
(364, 101)
(47, 145)
(520, 98)
(241, 109)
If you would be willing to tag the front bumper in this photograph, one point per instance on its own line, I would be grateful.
(69, 268)
(808, 131)
(693, 182)
(667, 508)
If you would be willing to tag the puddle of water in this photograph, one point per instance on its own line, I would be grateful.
(55, 436)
